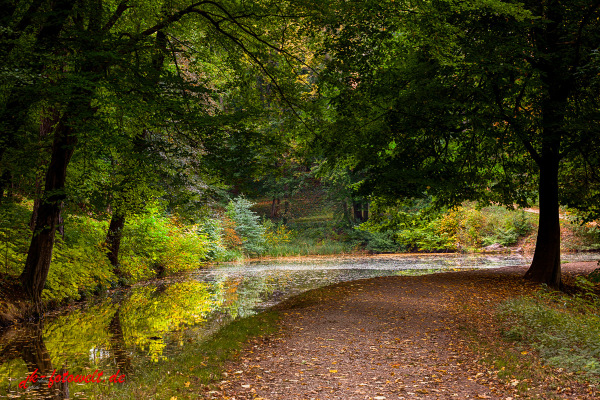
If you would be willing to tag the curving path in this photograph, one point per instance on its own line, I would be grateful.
(388, 338)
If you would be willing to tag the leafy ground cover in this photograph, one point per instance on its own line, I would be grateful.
(562, 329)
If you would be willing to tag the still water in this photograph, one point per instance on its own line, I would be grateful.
(147, 324)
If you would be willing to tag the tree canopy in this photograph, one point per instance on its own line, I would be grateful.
(487, 101)
(126, 85)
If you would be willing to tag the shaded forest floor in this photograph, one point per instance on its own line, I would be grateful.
(425, 337)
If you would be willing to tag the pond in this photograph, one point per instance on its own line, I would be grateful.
(148, 323)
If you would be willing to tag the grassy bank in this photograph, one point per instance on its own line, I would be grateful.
(545, 344)
(192, 372)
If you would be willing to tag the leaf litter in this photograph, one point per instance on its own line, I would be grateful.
(421, 337)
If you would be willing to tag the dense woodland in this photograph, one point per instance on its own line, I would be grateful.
(136, 135)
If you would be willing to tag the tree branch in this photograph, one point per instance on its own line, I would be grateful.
(121, 8)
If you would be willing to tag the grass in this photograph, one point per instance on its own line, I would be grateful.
(307, 247)
(186, 375)
(545, 344)
(564, 330)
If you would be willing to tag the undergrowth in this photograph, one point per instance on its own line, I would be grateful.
(563, 329)
(414, 225)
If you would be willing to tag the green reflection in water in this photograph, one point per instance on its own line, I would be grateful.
(150, 313)
(81, 338)
(107, 337)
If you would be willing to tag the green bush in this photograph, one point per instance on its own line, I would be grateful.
(377, 242)
(247, 225)
(15, 236)
(415, 226)
(153, 244)
(79, 262)
(212, 229)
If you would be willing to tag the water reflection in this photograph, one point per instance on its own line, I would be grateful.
(107, 337)
(149, 323)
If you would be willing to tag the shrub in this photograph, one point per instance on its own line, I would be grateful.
(212, 229)
(79, 262)
(14, 236)
(153, 244)
(246, 225)
(276, 234)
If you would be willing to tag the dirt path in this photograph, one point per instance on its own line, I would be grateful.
(384, 338)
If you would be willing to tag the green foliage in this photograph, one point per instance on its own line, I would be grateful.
(153, 244)
(589, 234)
(413, 225)
(276, 234)
(563, 329)
(375, 241)
(213, 229)
(79, 263)
(14, 236)
(247, 225)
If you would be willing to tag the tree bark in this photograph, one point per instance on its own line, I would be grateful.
(47, 122)
(545, 267)
(558, 82)
(358, 215)
(275, 208)
(113, 239)
(39, 255)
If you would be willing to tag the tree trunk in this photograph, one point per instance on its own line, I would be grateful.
(49, 119)
(346, 212)
(286, 210)
(39, 255)
(365, 216)
(545, 267)
(357, 211)
(113, 239)
(275, 208)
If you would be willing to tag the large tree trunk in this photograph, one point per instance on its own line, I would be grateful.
(545, 267)
(48, 121)
(39, 255)
(113, 239)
